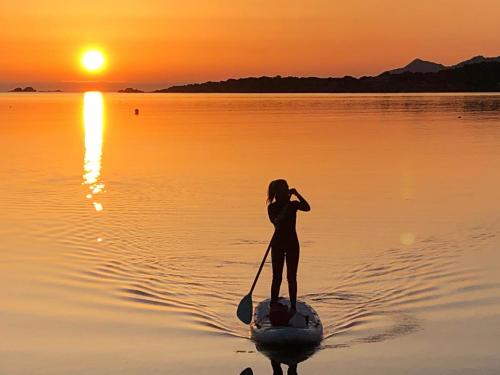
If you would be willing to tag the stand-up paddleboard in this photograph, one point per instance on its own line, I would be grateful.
(305, 329)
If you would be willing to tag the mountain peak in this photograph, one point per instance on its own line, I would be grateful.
(418, 66)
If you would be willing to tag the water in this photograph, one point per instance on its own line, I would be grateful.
(128, 240)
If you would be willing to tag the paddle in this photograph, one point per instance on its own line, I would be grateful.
(245, 308)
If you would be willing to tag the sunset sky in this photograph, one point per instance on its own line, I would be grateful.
(155, 43)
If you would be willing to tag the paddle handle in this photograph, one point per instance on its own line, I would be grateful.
(262, 264)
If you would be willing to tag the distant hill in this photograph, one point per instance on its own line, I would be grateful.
(484, 77)
(422, 66)
(477, 60)
(418, 66)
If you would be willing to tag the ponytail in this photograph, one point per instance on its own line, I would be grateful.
(271, 192)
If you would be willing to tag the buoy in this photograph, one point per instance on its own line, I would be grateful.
(136, 111)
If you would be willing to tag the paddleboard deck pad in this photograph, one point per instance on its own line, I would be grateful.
(305, 329)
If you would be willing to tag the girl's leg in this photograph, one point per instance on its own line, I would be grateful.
(277, 370)
(278, 260)
(292, 264)
(292, 370)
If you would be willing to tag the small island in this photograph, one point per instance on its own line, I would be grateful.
(26, 89)
(50, 90)
(130, 90)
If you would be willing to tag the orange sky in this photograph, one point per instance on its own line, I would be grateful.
(154, 43)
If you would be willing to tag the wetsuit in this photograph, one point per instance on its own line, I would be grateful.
(285, 247)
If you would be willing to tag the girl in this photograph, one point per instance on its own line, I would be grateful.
(285, 244)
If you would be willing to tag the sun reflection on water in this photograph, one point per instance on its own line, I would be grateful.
(93, 120)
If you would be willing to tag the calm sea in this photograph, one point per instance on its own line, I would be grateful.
(128, 240)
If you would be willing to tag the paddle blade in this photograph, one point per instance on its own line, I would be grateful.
(245, 309)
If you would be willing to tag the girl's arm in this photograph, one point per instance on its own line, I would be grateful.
(302, 204)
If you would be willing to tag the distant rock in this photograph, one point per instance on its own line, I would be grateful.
(26, 89)
(418, 66)
(131, 90)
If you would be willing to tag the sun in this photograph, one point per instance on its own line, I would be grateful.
(93, 60)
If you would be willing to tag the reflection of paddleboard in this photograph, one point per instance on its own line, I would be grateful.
(288, 356)
(307, 334)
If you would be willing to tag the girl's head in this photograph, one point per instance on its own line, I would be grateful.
(278, 190)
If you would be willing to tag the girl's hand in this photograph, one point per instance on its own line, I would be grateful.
(303, 205)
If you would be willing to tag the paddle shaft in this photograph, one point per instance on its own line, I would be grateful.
(262, 264)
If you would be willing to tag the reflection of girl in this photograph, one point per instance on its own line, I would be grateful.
(285, 246)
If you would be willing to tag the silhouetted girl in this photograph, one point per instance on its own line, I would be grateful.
(285, 246)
